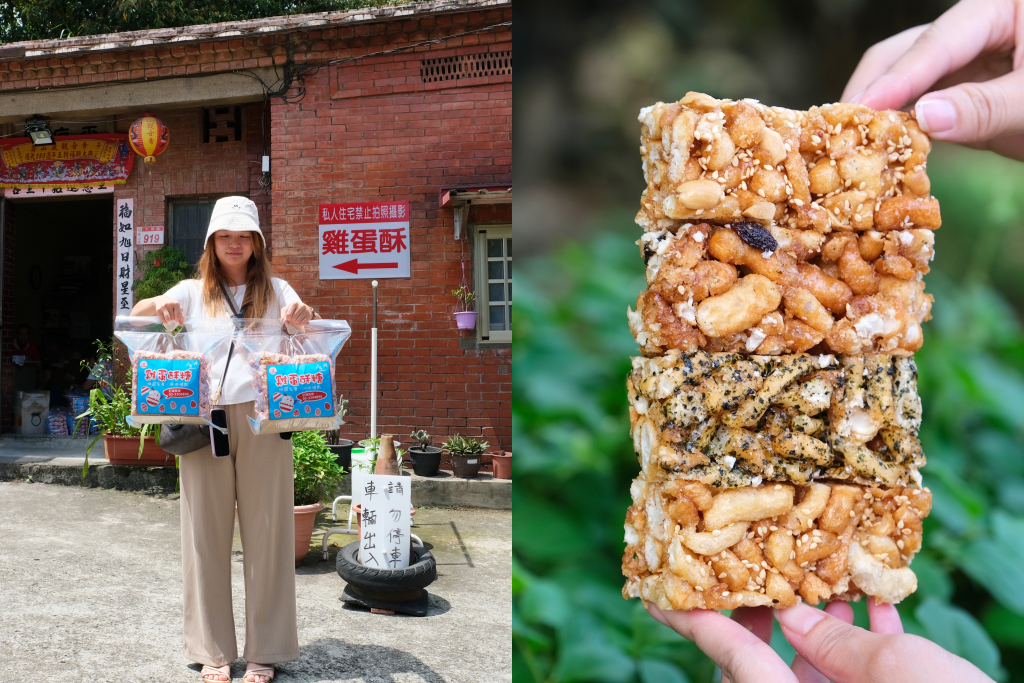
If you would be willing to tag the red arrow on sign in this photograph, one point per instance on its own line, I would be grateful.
(354, 266)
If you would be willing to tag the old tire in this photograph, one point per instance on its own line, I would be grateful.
(421, 572)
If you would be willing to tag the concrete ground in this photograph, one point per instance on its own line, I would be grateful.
(90, 588)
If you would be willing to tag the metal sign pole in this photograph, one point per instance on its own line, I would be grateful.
(373, 367)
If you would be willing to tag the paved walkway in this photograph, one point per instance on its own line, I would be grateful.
(90, 588)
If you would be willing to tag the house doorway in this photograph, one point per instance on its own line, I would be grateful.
(63, 284)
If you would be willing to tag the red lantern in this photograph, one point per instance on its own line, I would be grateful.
(148, 136)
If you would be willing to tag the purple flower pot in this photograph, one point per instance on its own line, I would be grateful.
(466, 320)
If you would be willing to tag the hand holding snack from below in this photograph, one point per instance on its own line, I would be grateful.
(829, 646)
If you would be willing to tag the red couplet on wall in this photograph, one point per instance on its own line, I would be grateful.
(363, 241)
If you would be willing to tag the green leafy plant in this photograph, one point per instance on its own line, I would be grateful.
(317, 475)
(162, 269)
(422, 437)
(463, 445)
(465, 296)
(110, 415)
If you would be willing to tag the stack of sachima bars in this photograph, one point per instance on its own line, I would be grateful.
(774, 408)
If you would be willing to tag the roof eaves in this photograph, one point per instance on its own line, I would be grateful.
(233, 29)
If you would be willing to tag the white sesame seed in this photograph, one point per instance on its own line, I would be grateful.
(716, 532)
(773, 528)
(778, 487)
(725, 594)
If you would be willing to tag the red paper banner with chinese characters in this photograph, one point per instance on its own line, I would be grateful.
(72, 161)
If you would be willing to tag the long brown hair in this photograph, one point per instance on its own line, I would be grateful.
(258, 285)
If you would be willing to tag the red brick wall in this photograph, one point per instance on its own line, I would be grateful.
(399, 146)
(189, 167)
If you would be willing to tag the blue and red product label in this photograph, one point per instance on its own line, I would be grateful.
(167, 386)
(300, 390)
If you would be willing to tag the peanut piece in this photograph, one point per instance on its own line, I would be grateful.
(699, 194)
(739, 308)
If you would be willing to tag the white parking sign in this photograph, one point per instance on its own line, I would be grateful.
(363, 241)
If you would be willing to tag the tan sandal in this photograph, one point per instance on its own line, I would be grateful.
(209, 670)
(259, 671)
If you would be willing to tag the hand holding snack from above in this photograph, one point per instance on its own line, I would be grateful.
(774, 410)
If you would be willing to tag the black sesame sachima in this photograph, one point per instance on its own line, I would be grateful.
(756, 235)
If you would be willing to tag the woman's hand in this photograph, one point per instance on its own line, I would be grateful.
(297, 314)
(163, 307)
(829, 647)
(973, 55)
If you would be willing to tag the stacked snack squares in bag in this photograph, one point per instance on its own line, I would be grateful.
(171, 368)
(774, 409)
(293, 374)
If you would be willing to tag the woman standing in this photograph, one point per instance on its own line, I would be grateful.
(257, 475)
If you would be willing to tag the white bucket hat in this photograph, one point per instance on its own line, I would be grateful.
(237, 214)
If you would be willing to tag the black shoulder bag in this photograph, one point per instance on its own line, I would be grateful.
(179, 439)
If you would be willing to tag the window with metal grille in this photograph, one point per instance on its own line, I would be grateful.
(493, 261)
(222, 124)
(466, 66)
(187, 224)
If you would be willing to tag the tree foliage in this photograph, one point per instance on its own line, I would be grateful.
(44, 19)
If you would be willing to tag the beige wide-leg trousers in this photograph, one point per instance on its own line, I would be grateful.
(258, 475)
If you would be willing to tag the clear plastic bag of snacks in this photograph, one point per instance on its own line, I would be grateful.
(293, 373)
(171, 367)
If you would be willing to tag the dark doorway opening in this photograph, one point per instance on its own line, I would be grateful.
(63, 293)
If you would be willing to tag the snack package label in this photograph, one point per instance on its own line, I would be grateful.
(300, 390)
(167, 386)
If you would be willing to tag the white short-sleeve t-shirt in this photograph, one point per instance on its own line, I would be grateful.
(238, 383)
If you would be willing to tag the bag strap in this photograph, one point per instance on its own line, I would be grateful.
(235, 314)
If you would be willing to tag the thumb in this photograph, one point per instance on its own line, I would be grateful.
(845, 653)
(974, 112)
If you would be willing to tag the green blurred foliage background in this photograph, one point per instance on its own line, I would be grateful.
(578, 97)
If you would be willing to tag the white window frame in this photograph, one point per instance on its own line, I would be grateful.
(483, 331)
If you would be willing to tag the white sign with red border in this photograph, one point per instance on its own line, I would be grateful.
(147, 235)
(124, 265)
(364, 241)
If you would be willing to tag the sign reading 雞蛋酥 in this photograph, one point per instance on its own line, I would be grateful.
(363, 241)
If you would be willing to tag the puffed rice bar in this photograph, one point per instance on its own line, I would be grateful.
(728, 420)
(847, 292)
(838, 166)
(692, 546)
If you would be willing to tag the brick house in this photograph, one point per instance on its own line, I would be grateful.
(403, 104)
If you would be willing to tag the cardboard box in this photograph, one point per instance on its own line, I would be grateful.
(30, 410)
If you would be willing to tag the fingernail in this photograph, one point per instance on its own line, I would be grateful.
(936, 116)
(653, 610)
(799, 619)
(856, 98)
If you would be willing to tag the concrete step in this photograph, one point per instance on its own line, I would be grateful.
(17, 443)
(444, 490)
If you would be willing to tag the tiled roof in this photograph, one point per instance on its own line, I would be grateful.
(236, 29)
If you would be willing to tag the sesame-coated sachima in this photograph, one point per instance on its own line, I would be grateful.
(774, 406)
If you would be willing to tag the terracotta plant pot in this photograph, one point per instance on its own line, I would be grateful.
(466, 466)
(124, 450)
(502, 465)
(305, 520)
(425, 463)
(466, 320)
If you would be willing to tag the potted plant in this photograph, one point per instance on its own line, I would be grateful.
(317, 477)
(465, 318)
(426, 459)
(502, 464)
(123, 443)
(342, 448)
(465, 455)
